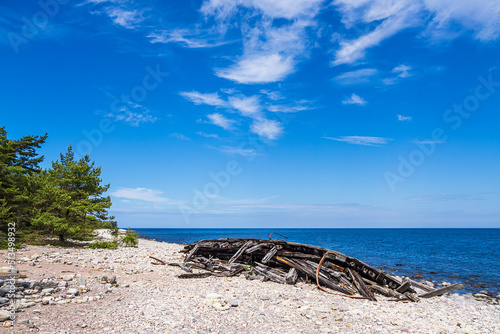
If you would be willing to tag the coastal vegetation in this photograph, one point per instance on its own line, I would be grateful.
(65, 201)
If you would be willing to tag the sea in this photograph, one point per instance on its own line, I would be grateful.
(468, 256)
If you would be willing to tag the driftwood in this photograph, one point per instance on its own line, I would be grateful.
(362, 288)
(158, 261)
(442, 291)
(286, 262)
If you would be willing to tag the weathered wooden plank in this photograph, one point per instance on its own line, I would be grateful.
(195, 275)
(270, 255)
(442, 291)
(191, 253)
(236, 271)
(299, 255)
(300, 266)
(239, 252)
(269, 274)
(411, 296)
(360, 285)
(291, 276)
(421, 286)
(404, 287)
(386, 291)
(255, 248)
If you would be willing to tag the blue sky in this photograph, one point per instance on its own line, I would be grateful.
(260, 113)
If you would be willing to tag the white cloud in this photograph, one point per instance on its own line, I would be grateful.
(266, 128)
(480, 16)
(238, 151)
(259, 69)
(356, 77)
(220, 120)
(202, 98)
(179, 136)
(402, 70)
(354, 50)
(362, 140)
(270, 51)
(131, 112)
(207, 135)
(354, 99)
(190, 38)
(247, 106)
(125, 18)
(142, 194)
(272, 95)
(404, 118)
(441, 19)
(288, 9)
(291, 108)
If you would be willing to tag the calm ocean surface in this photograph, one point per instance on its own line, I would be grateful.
(473, 255)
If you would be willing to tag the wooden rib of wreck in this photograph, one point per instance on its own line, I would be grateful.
(286, 262)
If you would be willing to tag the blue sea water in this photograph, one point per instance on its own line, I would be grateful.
(469, 256)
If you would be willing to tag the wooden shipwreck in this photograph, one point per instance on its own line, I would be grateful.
(287, 262)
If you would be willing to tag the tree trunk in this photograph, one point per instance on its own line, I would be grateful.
(61, 238)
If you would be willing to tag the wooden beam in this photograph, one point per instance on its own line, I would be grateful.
(270, 255)
(360, 285)
(292, 276)
(239, 252)
(255, 248)
(421, 286)
(442, 291)
(404, 287)
(192, 252)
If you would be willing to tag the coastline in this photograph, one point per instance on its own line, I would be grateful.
(150, 298)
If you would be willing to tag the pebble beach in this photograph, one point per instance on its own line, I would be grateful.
(79, 290)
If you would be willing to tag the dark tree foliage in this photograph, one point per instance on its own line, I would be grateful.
(66, 201)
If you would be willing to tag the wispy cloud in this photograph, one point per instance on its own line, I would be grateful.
(270, 52)
(142, 194)
(212, 99)
(179, 136)
(128, 19)
(207, 135)
(272, 95)
(122, 13)
(258, 69)
(273, 9)
(291, 108)
(404, 118)
(221, 120)
(266, 128)
(402, 70)
(441, 19)
(189, 38)
(248, 106)
(354, 99)
(130, 112)
(244, 152)
(362, 140)
(356, 77)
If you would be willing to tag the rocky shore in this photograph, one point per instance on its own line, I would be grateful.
(80, 290)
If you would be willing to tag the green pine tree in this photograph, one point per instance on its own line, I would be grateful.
(70, 202)
(19, 163)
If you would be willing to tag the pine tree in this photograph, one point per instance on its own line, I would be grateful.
(19, 162)
(70, 200)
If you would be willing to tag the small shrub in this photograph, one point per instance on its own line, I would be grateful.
(115, 231)
(130, 239)
(104, 245)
